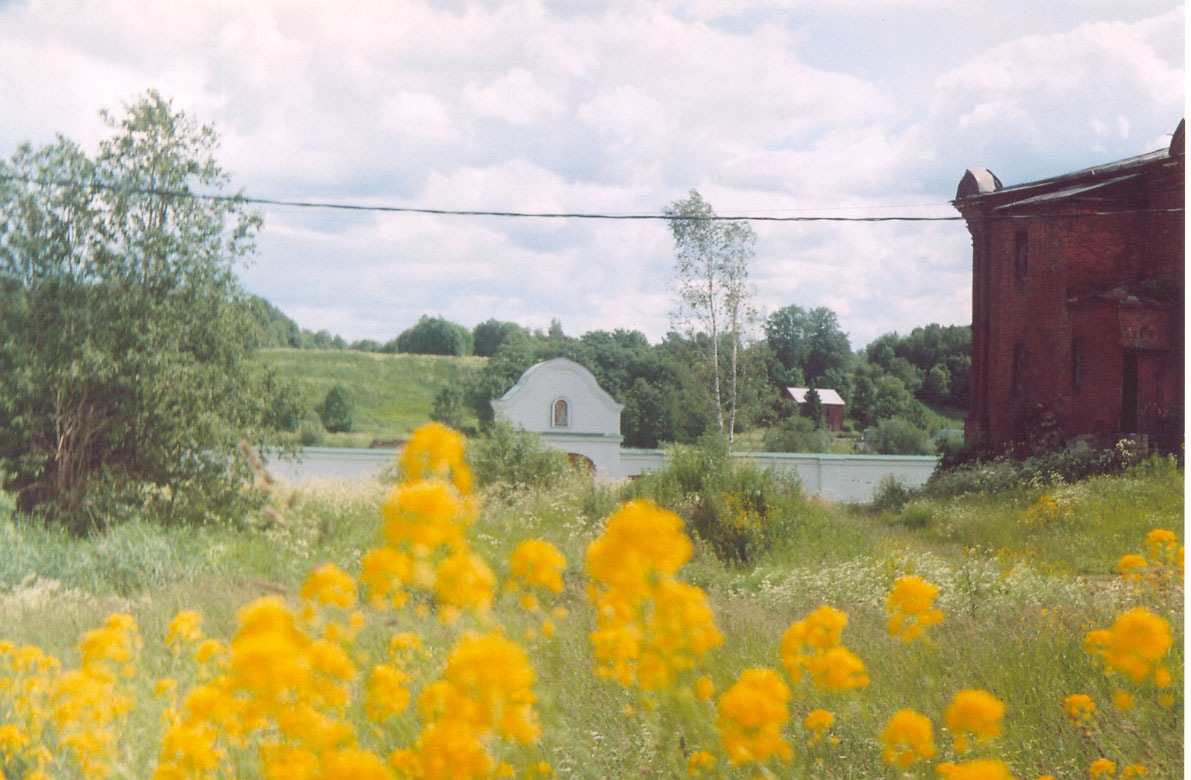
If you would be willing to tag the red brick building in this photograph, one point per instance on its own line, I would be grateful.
(1077, 304)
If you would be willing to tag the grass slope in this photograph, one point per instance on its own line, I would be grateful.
(391, 395)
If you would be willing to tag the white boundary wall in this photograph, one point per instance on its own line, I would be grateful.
(834, 477)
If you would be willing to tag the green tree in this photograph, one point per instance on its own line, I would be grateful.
(809, 345)
(489, 335)
(336, 411)
(124, 383)
(812, 408)
(435, 336)
(712, 259)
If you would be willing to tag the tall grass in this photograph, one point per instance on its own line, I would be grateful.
(1020, 585)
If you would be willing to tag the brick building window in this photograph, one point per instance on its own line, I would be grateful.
(1077, 364)
(1019, 368)
(1021, 254)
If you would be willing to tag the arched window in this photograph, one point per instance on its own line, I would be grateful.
(560, 414)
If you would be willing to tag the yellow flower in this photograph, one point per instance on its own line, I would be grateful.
(1080, 710)
(354, 764)
(464, 581)
(699, 762)
(1132, 567)
(330, 585)
(186, 627)
(1134, 770)
(910, 605)
(751, 715)
(1101, 768)
(537, 564)
(815, 645)
(1122, 700)
(640, 542)
(704, 688)
(436, 452)
(908, 738)
(974, 714)
(981, 769)
(1134, 646)
(817, 722)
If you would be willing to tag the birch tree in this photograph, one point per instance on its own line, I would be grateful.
(712, 260)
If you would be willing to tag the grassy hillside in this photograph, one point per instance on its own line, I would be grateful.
(391, 395)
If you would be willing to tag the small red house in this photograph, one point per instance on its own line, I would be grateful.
(833, 405)
(1077, 304)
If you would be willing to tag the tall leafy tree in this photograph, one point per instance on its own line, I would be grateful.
(124, 384)
(712, 260)
(809, 345)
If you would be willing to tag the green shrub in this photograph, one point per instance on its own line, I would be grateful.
(740, 511)
(336, 412)
(892, 493)
(797, 434)
(971, 473)
(897, 436)
(515, 458)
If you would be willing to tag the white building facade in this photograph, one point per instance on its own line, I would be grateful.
(561, 401)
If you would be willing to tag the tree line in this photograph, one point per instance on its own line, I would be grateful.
(665, 386)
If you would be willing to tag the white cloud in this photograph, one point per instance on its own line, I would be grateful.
(617, 107)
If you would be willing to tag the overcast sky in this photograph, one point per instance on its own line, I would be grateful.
(815, 107)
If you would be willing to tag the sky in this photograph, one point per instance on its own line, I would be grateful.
(842, 108)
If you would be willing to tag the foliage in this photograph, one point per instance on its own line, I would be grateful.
(276, 329)
(336, 410)
(433, 336)
(124, 383)
(490, 334)
(712, 259)
(797, 434)
(812, 408)
(809, 346)
(739, 510)
(450, 406)
(981, 472)
(515, 458)
(896, 436)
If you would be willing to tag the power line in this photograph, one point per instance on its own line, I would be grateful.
(384, 209)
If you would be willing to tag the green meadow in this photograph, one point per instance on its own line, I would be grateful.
(1023, 575)
(390, 395)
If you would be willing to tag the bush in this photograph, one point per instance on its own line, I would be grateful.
(336, 412)
(897, 436)
(797, 434)
(739, 510)
(515, 458)
(977, 472)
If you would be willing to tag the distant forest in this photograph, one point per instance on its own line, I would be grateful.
(916, 383)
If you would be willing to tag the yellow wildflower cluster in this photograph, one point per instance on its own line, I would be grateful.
(1048, 510)
(974, 719)
(652, 630)
(909, 737)
(1080, 710)
(67, 720)
(910, 605)
(973, 716)
(426, 518)
(751, 715)
(281, 692)
(1105, 769)
(814, 645)
(1134, 647)
(1161, 564)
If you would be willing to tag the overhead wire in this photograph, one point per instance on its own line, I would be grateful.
(389, 209)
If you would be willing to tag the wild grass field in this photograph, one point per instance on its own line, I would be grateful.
(367, 630)
(391, 395)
